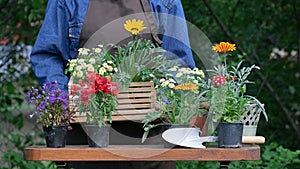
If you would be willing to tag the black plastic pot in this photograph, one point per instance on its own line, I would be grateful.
(98, 136)
(55, 136)
(230, 135)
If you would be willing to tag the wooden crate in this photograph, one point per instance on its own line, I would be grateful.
(134, 103)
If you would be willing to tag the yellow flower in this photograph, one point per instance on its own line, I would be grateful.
(134, 26)
(224, 47)
(186, 86)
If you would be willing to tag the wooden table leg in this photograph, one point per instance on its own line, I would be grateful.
(224, 164)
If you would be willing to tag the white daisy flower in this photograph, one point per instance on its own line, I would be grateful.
(179, 74)
(97, 50)
(102, 70)
(92, 60)
(105, 65)
(79, 74)
(165, 83)
(90, 68)
(110, 68)
(171, 85)
(172, 80)
(162, 80)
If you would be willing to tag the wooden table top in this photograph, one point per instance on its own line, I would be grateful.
(141, 153)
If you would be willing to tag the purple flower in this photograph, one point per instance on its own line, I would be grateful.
(50, 99)
(28, 94)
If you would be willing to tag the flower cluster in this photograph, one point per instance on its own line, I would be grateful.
(221, 80)
(94, 85)
(181, 79)
(92, 88)
(95, 60)
(51, 104)
(177, 101)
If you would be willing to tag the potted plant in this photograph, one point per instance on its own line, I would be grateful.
(94, 91)
(177, 99)
(226, 94)
(118, 66)
(52, 111)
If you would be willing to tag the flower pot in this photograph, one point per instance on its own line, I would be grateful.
(230, 135)
(98, 136)
(250, 119)
(55, 136)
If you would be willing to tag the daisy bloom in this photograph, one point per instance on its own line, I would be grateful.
(92, 60)
(165, 83)
(134, 26)
(179, 74)
(90, 68)
(110, 68)
(79, 74)
(102, 70)
(174, 68)
(224, 47)
(83, 51)
(171, 85)
(105, 65)
(97, 50)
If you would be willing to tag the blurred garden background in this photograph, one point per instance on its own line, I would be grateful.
(267, 32)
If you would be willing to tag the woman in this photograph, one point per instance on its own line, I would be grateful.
(71, 24)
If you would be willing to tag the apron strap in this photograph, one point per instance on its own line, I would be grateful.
(151, 21)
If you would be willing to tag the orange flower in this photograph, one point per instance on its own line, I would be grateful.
(224, 47)
(186, 86)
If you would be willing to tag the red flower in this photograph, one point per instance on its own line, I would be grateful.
(74, 89)
(85, 96)
(221, 80)
(218, 80)
(231, 77)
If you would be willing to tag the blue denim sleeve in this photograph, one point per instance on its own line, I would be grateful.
(173, 30)
(51, 49)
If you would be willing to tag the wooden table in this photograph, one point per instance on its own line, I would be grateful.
(142, 153)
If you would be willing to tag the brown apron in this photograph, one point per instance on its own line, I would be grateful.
(103, 24)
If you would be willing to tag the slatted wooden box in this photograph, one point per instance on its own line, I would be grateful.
(133, 104)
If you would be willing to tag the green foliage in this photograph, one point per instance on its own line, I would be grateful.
(13, 159)
(273, 156)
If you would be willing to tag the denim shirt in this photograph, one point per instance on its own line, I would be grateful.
(58, 39)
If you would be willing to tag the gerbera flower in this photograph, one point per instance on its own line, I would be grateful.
(134, 26)
(224, 47)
